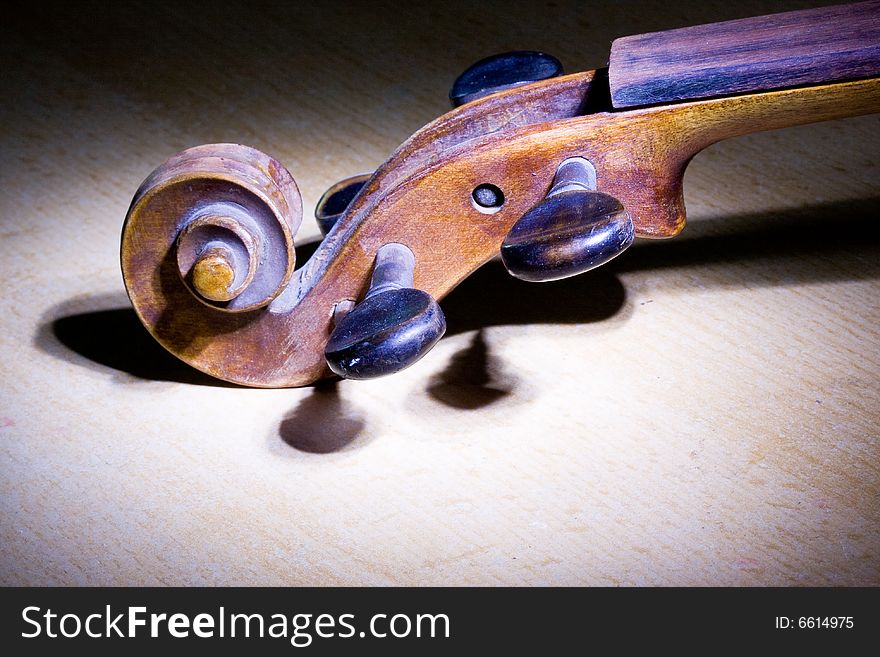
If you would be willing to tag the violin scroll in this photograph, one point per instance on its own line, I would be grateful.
(208, 242)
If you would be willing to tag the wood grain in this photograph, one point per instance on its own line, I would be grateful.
(811, 46)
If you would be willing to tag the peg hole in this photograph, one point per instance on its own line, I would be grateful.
(487, 198)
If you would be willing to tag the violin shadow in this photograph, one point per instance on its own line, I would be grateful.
(492, 297)
(112, 338)
(103, 333)
(826, 235)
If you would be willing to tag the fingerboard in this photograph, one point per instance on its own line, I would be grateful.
(813, 46)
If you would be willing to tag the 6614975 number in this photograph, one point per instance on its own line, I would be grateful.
(814, 622)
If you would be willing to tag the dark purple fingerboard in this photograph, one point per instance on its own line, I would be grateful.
(812, 46)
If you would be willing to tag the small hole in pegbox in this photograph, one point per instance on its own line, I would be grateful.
(487, 198)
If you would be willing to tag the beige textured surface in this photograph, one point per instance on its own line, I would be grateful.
(704, 411)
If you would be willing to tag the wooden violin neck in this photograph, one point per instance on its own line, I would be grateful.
(813, 46)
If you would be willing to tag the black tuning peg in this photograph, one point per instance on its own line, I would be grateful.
(503, 71)
(335, 200)
(392, 328)
(574, 229)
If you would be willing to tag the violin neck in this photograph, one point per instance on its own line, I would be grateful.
(813, 46)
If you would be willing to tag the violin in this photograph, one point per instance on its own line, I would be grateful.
(558, 173)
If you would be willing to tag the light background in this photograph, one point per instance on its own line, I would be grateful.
(704, 411)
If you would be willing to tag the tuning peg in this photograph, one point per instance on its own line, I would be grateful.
(574, 229)
(503, 71)
(392, 328)
(336, 199)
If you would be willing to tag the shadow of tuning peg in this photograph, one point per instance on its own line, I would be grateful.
(503, 71)
(333, 203)
(574, 229)
(392, 328)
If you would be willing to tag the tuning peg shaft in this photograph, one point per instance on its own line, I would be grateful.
(574, 229)
(392, 328)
